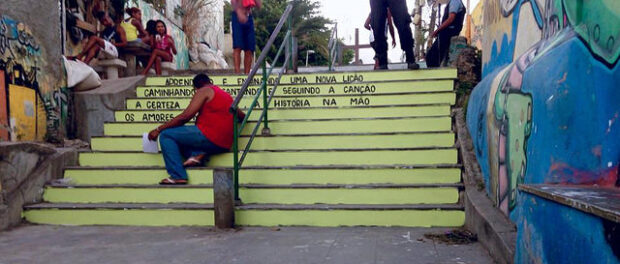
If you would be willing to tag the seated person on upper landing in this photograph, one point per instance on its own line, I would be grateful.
(111, 38)
(212, 134)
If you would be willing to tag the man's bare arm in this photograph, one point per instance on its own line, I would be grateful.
(200, 97)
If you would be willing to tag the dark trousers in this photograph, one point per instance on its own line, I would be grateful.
(440, 48)
(402, 20)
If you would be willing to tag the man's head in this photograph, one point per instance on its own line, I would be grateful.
(106, 20)
(201, 80)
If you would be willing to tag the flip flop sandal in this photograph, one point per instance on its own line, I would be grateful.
(171, 181)
(191, 162)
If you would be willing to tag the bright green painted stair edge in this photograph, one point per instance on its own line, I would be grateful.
(300, 114)
(340, 77)
(352, 89)
(128, 195)
(334, 218)
(275, 176)
(307, 158)
(139, 217)
(282, 102)
(331, 218)
(306, 143)
(431, 195)
(430, 124)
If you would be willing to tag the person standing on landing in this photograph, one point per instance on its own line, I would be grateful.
(378, 10)
(389, 25)
(451, 25)
(212, 134)
(244, 36)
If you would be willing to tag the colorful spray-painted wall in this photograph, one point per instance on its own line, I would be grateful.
(32, 104)
(548, 108)
(182, 57)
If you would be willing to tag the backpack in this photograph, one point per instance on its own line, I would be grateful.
(249, 3)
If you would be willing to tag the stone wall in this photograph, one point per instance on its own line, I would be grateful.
(24, 170)
(31, 74)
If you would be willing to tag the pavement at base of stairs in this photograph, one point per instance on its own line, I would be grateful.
(106, 244)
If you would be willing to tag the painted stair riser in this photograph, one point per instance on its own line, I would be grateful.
(128, 195)
(306, 102)
(305, 143)
(275, 176)
(330, 218)
(316, 78)
(299, 114)
(121, 217)
(430, 124)
(430, 195)
(269, 159)
(356, 89)
(335, 218)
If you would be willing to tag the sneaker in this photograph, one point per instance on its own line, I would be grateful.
(413, 66)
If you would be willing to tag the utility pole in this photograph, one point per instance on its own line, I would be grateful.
(419, 35)
(468, 25)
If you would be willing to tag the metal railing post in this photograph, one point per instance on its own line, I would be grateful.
(266, 130)
(290, 42)
(235, 149)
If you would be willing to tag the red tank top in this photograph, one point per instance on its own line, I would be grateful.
(215, 120)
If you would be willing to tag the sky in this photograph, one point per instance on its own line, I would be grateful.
(351, 14)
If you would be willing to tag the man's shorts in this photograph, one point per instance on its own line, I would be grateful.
(244, 36)
(109, 51)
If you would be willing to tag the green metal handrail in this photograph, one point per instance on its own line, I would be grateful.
(260, 62)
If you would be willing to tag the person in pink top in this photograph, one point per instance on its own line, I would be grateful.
(212, 134)
(163, 47)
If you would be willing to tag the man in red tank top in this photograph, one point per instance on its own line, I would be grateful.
(212, 134)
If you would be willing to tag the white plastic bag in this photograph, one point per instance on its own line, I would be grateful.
(80, 76)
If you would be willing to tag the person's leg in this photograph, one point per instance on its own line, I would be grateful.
(247, 61)
(249, 44)
(444, 46)
(378, 17)
(433, 56)
(402, 20)
(156, 54)
(91, 54)
(171, 141)
(184, 140)
(158, 66)
(237, 35)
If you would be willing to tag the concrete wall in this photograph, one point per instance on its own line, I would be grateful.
(33, 97)
(548, 107)
(24, 170)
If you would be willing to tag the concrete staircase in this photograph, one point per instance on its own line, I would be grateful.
(347, 149)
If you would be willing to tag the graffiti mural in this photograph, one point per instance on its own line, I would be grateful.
(548, 107)
(28, 110)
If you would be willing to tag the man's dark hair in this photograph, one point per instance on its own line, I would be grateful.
(201, 80)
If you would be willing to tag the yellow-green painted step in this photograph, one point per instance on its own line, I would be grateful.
(272, 176)
(431, 195)
(311, 89)
(425, 124)
(335, 218)
(315, 78)
(300, 114)
(132, 217)
(420, 140)
(306, 102)
(300, 158)
(323, 218)
(128, 195)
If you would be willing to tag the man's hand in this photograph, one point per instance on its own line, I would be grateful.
(434, 35)
(393, 43)
(153, 134)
